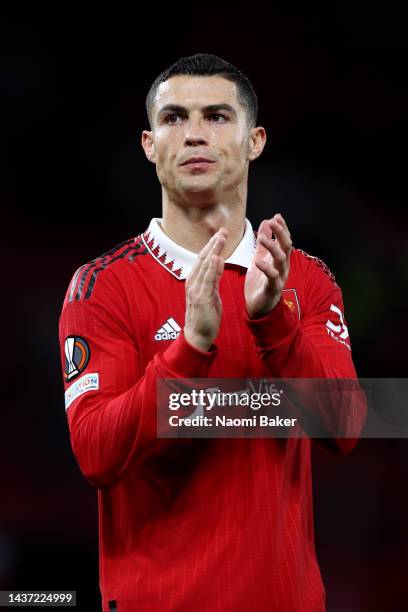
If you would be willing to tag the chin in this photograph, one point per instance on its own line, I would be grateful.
(197, 187)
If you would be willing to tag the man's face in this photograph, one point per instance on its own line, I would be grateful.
(200, 139)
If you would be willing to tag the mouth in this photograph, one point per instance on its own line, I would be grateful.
(197, 162)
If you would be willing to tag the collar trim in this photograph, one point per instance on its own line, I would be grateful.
(179, 261)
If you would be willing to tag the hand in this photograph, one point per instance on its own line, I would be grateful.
(203, 302)
(269, 269)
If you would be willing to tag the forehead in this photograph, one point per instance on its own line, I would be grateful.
(195, 92)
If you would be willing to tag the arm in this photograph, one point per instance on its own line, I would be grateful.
(316, 347)
(111, 424)
(114, 421)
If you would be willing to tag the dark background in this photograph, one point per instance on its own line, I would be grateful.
(332, 86)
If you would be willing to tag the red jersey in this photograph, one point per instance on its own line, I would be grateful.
(203, 524)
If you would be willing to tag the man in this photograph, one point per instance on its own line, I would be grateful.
(221, 524)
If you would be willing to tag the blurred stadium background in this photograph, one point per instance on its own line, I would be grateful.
(332, 87)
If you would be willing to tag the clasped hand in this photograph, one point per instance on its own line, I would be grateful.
(265, 279)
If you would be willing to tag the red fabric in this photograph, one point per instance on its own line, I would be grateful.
(219, 524)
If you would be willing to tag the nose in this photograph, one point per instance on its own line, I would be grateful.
(195, 133)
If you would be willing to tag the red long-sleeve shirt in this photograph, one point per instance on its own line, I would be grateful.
(220, 524)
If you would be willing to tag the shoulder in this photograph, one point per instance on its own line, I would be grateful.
(96, 271)
(312, 266)
(97, 295)
(318, 283)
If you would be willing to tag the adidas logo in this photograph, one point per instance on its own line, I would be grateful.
(168, 331)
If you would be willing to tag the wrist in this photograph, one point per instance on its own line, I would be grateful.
(260, 313)
(197, 342)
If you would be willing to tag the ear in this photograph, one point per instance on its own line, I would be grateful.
(148, 145)
(257, 140)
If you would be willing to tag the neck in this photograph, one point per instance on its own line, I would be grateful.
(191, 227)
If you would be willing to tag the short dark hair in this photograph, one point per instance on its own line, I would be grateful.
(204, 64)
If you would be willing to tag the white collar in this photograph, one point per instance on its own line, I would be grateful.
(179, 261)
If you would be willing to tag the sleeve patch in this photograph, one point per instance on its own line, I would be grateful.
(338, 330)
(77, 354)
(88, 382)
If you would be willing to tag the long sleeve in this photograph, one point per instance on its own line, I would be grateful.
(317, 346)
(113, 418)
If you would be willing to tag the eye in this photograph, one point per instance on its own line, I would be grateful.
(218, 118)
(173, 118)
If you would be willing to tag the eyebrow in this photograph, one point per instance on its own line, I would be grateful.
(211, 108)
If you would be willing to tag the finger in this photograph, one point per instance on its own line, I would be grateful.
(205, 251)
(220, 270)
(219, 244)
(210, 278)
(202, 255)
(215, 249)
(198, 262)
(278, 255)
(281, 220)
(263, 230)
(270, 271)
(282, 235)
